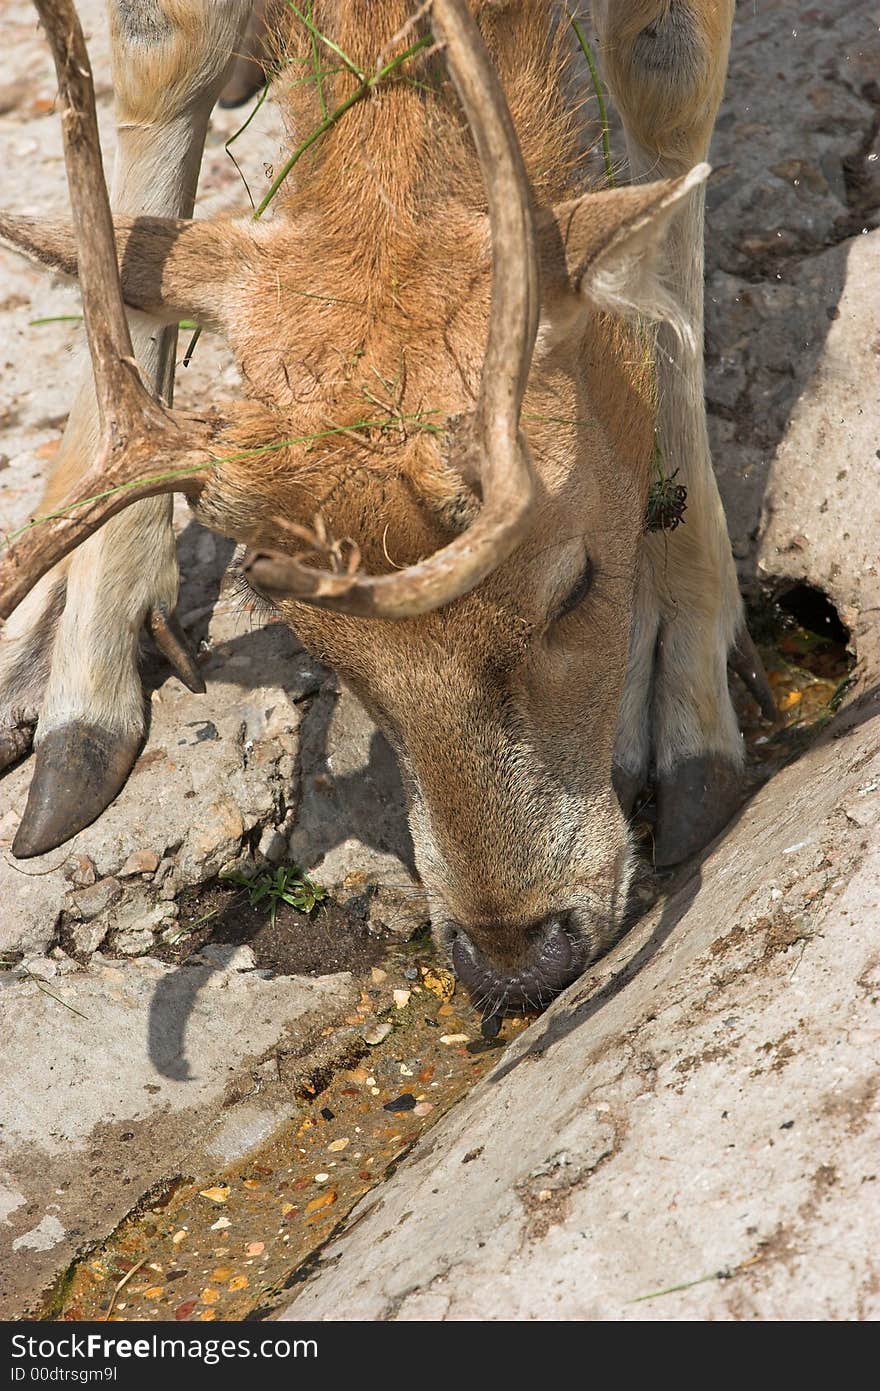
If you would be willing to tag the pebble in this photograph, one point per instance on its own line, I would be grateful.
(377, 975)
(336, 1145)
(376, 1033)
(87, 937)
(405, 1102)
(321, 1178)
(322, 1201)
(450, 1039)
(218, 1194)
(140, 862)
(136, 942)
(80, 871)
(401, 998)
(423, 1108)
(220, 1224)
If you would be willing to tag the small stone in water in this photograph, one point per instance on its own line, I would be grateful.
(453, 1038)
(376, 1033)
(337, 1145)
(405, 1102)
(321, 1178)
(423, 1108)
(401, 998)
(327, 1113)
(219, 1194)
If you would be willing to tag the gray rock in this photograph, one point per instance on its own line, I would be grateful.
(87, 937)
(612, 1153)
(135, 941)
(90, 902)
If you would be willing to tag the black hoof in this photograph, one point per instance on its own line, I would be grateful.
(694, 802)
(78, 770)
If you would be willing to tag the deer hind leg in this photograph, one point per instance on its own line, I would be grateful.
(665, 62)
(70, 660)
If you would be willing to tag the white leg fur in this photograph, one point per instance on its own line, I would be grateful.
(130, 565)
(666, 66)
(688, 596)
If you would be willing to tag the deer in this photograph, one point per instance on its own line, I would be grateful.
(470, 554)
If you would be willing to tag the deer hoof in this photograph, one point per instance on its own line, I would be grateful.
(78, 770)
(15, 742)
(694, 802)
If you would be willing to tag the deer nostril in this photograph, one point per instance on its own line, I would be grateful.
(555, 952)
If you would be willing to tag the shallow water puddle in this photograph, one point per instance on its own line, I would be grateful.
(230, 1244)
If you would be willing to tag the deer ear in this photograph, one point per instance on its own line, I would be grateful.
(605, 250)
(172, 268)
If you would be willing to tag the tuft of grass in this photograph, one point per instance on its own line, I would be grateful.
(269, 888)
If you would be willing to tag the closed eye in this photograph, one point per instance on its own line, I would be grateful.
(576, 595)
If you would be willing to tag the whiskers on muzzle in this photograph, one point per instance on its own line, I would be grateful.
(557, 952)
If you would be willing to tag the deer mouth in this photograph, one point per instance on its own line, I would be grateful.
(558, 954)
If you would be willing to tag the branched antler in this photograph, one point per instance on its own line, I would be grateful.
(144, 448)
(493, 449)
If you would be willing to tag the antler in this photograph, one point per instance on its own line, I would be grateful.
(144, 449)
(178, 449)
(493, 449)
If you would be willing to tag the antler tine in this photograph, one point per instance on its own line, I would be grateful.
(140, 438)
(496, 449)
(106, 325)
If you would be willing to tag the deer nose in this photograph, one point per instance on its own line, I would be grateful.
(552, 961)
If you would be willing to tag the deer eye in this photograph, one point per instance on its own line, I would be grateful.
(577, 594)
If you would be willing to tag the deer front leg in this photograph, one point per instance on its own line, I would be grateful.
(665, 62)
(69, 659)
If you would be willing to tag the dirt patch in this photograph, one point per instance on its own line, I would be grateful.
(332, 938)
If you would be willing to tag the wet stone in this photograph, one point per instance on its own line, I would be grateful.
(405, 1102)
